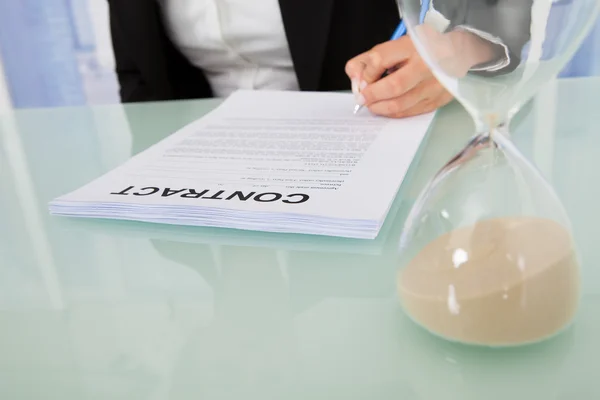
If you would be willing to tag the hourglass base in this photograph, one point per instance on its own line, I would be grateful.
(531, 342)
(501, 282)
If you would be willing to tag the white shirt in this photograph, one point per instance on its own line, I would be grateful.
(239, 44)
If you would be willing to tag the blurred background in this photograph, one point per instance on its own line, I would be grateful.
(56, 53)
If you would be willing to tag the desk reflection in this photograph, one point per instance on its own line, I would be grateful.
(104, 310)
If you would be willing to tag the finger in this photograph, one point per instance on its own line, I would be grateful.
(369, 66)
(426, 106)
(354, 70)
(396, 84)
(385, 56)
(425, 90)
(355, 66)
(423, 107)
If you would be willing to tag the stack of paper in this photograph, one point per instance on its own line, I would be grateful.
(269, 161)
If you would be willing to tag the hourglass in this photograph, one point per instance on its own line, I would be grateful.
(487, 250)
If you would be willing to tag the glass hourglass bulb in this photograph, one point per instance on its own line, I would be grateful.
(487, 252)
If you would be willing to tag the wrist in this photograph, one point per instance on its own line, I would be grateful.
(471, 49)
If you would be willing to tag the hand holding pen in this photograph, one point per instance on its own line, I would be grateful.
(392, 80)
(358, 84)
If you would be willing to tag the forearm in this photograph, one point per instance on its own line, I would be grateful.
(505, 25)
(478, 53)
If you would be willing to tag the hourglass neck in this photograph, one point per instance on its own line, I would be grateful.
(490, 123)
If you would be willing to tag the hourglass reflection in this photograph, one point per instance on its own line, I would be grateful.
(487, 250)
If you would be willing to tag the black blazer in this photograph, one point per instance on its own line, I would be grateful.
(322, 35)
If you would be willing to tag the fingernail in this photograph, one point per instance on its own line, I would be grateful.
(363, 85)
(360, 100)
(355, 85)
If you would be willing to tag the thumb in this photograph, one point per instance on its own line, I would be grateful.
(369, 66)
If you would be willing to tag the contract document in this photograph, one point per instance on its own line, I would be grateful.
(274, 161)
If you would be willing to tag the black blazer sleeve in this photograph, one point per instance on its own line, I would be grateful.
(132, 85)
(507, 20)
(148, 65)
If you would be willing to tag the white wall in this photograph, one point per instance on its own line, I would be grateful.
(98, 79)
(101, 85)
(99, 15)
(5, 103)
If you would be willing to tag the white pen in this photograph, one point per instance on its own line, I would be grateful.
(356, 88)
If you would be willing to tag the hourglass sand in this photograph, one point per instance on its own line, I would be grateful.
(487, 250)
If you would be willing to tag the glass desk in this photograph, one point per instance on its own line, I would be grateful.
(113, 310)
